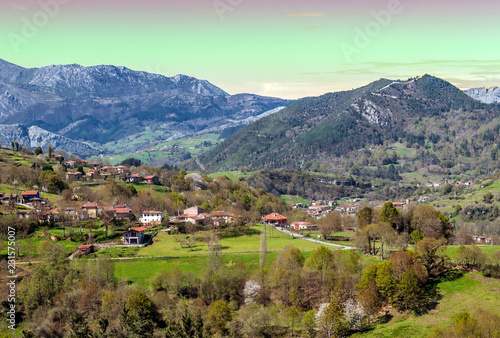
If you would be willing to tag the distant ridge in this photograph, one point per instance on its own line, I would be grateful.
(107, 104)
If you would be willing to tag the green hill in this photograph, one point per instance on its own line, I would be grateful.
(338, 124)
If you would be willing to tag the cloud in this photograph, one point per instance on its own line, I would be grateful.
(13, 6)
(305, 14)
(310, 28)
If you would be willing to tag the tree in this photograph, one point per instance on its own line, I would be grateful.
(219, 314)
(132, 162)
(389, 213)
(139, 314)
(387, 237)
(488, 197)
(416, 236)
(430, 222)
(364, 217)
(430, 253)
(50, 150)
(38, 151)
(470, 257)
(463, 237)
(330, 316)
(52, 181)
(447, 188)
(331, 223)
(409, 292)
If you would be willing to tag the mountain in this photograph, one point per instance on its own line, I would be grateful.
(34, 136)
(340, 124)
(486, 95)
(104, 105)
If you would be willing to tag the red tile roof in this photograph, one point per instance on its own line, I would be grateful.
(275, 216)
(123, 210)
(29, 193)
(90, 205)
(152, 212)
(139, 229)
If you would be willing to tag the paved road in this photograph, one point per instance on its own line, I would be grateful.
(343, 247)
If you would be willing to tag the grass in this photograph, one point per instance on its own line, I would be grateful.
(469, 292)
(233, 175)
(451, 250)
(291, 199)
(140, 271)
(166, 245)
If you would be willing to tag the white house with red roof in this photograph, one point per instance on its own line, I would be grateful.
(133, 235)
(151, 217)
(303, 226)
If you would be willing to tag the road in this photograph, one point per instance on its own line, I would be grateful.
(343, 247)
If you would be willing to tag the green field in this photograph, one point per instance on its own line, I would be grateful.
(166, 245)
(451, 250)
(466, 293)
(232, 175)
(292, 199)
(140, 271)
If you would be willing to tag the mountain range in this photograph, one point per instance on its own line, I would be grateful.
(103, 105)
(117, 112)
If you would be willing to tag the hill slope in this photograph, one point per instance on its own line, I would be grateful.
(335, 124)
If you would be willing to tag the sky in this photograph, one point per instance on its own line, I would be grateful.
(283, 48)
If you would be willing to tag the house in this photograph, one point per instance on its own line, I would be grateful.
(81, 214)
(222, 217)
(59, 158)
(86, 249)
(123, 170)
(125, 206)
(152, 180)
(93, 165)
(25, 213)
(275, 219)
(423, 199)
(74, 176)
(479, 239)
(91, 208)
(50, 215)
(194, 211)
(28, 195)
(133, 235)
(122, 213)
(151, 217)
(71, 164)
(7, 197)
(303, 226)
(134, 178)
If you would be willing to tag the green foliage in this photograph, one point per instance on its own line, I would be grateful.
(389, 213)
(52, 181)
(131, 162)
(219, 314)
(416, 236)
